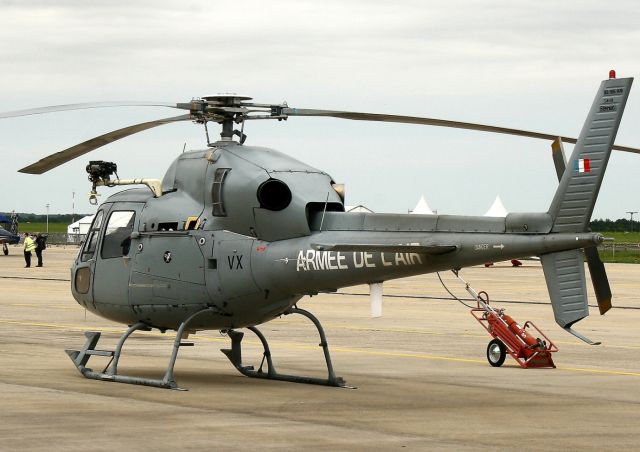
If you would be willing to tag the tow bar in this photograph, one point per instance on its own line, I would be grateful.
(508, 336)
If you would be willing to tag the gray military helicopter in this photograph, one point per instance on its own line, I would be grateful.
(235, 235)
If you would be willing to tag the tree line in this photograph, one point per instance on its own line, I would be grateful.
(42, 218)
(619, 225)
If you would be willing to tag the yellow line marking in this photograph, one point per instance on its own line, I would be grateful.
(435, 333)
(286, 344)
(59, 326)
(601, 371)
(34, 305)
(451, 359)
(382, 329)
(375, 329)
(406, 355)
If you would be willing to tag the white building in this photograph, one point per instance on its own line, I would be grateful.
(76, 232)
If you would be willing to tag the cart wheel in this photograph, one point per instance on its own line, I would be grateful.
(496, 353)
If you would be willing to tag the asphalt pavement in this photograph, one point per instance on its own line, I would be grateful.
(422, 378)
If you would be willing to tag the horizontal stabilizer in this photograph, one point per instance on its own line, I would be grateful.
(382, 248)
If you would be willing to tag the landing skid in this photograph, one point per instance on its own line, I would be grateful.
(110, 373)
(235, 356)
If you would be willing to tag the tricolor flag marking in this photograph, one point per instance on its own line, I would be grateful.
(582, 166)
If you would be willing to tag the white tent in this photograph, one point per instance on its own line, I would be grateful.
(358, 208)
(422, 208)
(79, 229)
(497, 209)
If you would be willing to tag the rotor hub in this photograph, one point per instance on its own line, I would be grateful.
(227, 99)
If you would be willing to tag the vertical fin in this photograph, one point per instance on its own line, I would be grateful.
(573, 202)
(596, 266)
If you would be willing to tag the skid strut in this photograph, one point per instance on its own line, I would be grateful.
(235, 356)
(110, 373)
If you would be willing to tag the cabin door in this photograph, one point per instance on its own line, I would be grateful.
(112, 260)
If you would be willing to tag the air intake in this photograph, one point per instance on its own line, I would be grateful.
(274, 194)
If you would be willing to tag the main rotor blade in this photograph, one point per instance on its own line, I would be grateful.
(84, 106)
(71, 153)
(358, 116)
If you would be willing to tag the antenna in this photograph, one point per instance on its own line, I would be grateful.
(206, 132)
(324, 210)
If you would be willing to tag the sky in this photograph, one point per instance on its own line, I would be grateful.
(530, 65)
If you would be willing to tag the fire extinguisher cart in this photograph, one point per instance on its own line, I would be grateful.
(529, 346)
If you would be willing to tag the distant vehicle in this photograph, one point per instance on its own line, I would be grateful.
(7, 238)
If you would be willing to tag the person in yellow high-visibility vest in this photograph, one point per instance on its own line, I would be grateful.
(29, 246)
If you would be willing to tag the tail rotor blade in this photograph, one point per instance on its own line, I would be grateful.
(71, 153)
(599, 279)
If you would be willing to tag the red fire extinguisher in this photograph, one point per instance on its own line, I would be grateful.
(519, 331)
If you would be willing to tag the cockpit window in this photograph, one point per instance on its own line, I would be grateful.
(216, 192)
(92, 238)
(117, 235)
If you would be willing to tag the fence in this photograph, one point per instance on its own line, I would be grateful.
(65, 239)
(620, 252)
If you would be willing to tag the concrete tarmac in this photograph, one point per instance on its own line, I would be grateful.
(423, 382)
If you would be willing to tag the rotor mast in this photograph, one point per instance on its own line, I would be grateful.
(225, 109)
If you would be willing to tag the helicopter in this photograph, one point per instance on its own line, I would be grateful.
(7, 238)
(234, 235)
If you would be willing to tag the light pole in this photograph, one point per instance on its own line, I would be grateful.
(47, 206)
(631, 213)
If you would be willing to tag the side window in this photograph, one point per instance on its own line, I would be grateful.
(90, 244)
(117, 235)
(216, 192)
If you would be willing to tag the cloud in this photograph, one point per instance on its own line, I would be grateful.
(530, 65)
